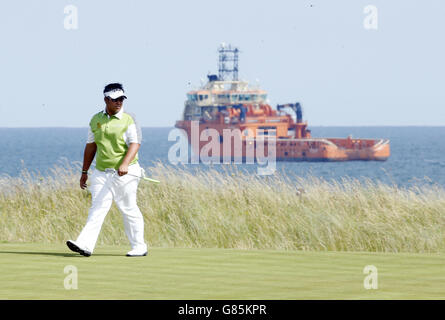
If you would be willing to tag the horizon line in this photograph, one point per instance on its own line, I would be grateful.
(160, 127)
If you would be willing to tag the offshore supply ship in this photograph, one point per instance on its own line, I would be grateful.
(222, 105)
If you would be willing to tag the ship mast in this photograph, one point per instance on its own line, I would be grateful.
(228, 62)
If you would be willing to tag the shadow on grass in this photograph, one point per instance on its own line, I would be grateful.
(58, 254)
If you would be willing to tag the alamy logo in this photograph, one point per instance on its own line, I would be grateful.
(371, 20)
(71, 21)
(70, 281)
(210, 147)
(371, 280)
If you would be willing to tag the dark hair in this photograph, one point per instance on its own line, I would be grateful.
(113, 86)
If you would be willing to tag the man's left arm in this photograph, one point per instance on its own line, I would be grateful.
(131, 153)
(133, 140)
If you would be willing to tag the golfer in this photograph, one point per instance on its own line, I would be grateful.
(114, 137)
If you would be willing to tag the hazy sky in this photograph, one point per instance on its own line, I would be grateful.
(316, 52)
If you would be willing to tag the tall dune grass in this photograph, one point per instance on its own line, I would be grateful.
(233, 209)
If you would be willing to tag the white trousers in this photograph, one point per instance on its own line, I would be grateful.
(107, 186)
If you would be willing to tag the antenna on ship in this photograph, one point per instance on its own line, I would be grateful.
(228, 62)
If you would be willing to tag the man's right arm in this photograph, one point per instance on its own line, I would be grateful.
(88, 156)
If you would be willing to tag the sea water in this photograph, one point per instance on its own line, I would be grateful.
(417, 153)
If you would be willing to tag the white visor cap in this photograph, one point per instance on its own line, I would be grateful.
(115, 93)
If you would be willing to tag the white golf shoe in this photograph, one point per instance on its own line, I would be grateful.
(137, 252)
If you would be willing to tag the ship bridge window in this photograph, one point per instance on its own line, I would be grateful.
(267, 131)
(254, 97)
(192, 97)
(234, 97)
(244, 97)
(264, 96)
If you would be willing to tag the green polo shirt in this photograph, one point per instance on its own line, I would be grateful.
(113, 135)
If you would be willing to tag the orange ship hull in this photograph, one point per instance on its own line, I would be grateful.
(283, 148)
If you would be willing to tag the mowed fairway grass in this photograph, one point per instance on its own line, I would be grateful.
(36, 271)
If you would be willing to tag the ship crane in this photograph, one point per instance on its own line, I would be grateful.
(294, 106)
